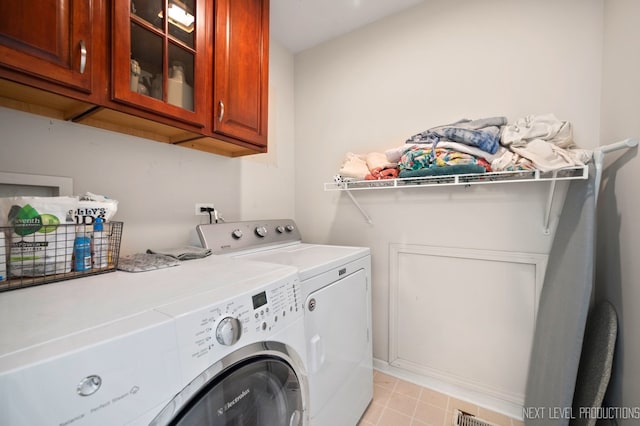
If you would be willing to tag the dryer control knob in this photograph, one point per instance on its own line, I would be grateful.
(236, 234)
(280, 229)
(228, 331)
(261, 231)
(290, 228)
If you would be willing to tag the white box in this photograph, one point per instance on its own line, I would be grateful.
(42, 253)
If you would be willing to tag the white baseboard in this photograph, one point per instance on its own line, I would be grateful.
(490, 403)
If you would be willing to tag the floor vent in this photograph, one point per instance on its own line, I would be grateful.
(460, 418)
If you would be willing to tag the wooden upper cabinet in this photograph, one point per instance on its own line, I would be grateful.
(187, 72)
(159, 58)
(49, 39)
(241, 69)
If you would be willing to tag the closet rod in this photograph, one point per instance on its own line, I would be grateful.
(598, 158)
(626, 143)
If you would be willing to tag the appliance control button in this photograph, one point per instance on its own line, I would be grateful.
(280, 229)
(290, 228)
(228, 331)
(264, 325)
(261, 231)
(237, 234)
(89, 385)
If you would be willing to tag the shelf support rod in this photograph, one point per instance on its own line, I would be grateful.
(355, 202)
(552, 191)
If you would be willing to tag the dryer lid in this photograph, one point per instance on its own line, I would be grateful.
(310, 259)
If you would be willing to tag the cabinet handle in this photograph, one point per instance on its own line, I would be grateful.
(83, 56)
(221, 105)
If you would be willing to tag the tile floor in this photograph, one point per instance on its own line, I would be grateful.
(397, 402)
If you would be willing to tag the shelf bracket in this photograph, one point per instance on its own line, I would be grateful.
(547, 213)
(364, 213)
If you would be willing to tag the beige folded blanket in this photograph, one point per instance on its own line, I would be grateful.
(378, 160)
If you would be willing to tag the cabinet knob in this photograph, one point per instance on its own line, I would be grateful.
(221, 105)
(83, 56)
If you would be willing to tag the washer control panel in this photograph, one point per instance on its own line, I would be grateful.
(275, 307)
(227, 237)
(208, 334)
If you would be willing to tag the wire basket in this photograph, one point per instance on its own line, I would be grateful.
(56, 253)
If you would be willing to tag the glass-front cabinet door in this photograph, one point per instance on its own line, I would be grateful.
(159, 57)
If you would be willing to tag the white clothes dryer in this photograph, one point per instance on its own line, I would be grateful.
(336, 286)
(212, 341)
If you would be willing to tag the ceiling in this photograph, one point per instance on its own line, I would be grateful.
(301, 24)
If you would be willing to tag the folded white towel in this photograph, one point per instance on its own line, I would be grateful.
(511, 161)
(354, 166)
(394, 154)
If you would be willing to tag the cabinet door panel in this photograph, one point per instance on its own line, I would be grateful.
(241, 69)
(160, 65)
(50, 39)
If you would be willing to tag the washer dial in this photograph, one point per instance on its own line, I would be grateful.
(261, 231)
(228, 331)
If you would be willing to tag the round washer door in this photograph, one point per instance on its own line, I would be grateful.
(260, 390)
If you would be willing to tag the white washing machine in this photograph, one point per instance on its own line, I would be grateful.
(336, 286)
(212, 341)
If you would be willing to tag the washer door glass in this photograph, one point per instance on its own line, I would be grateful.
(258, 392)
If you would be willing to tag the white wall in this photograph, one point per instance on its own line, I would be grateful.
(157, 185)
(618, 271)
(431, 65)
(267, 179)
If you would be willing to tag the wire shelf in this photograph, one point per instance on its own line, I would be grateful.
(568, 173)
(571, 173)
(50, 254)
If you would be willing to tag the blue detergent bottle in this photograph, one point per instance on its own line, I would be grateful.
(82, 253)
